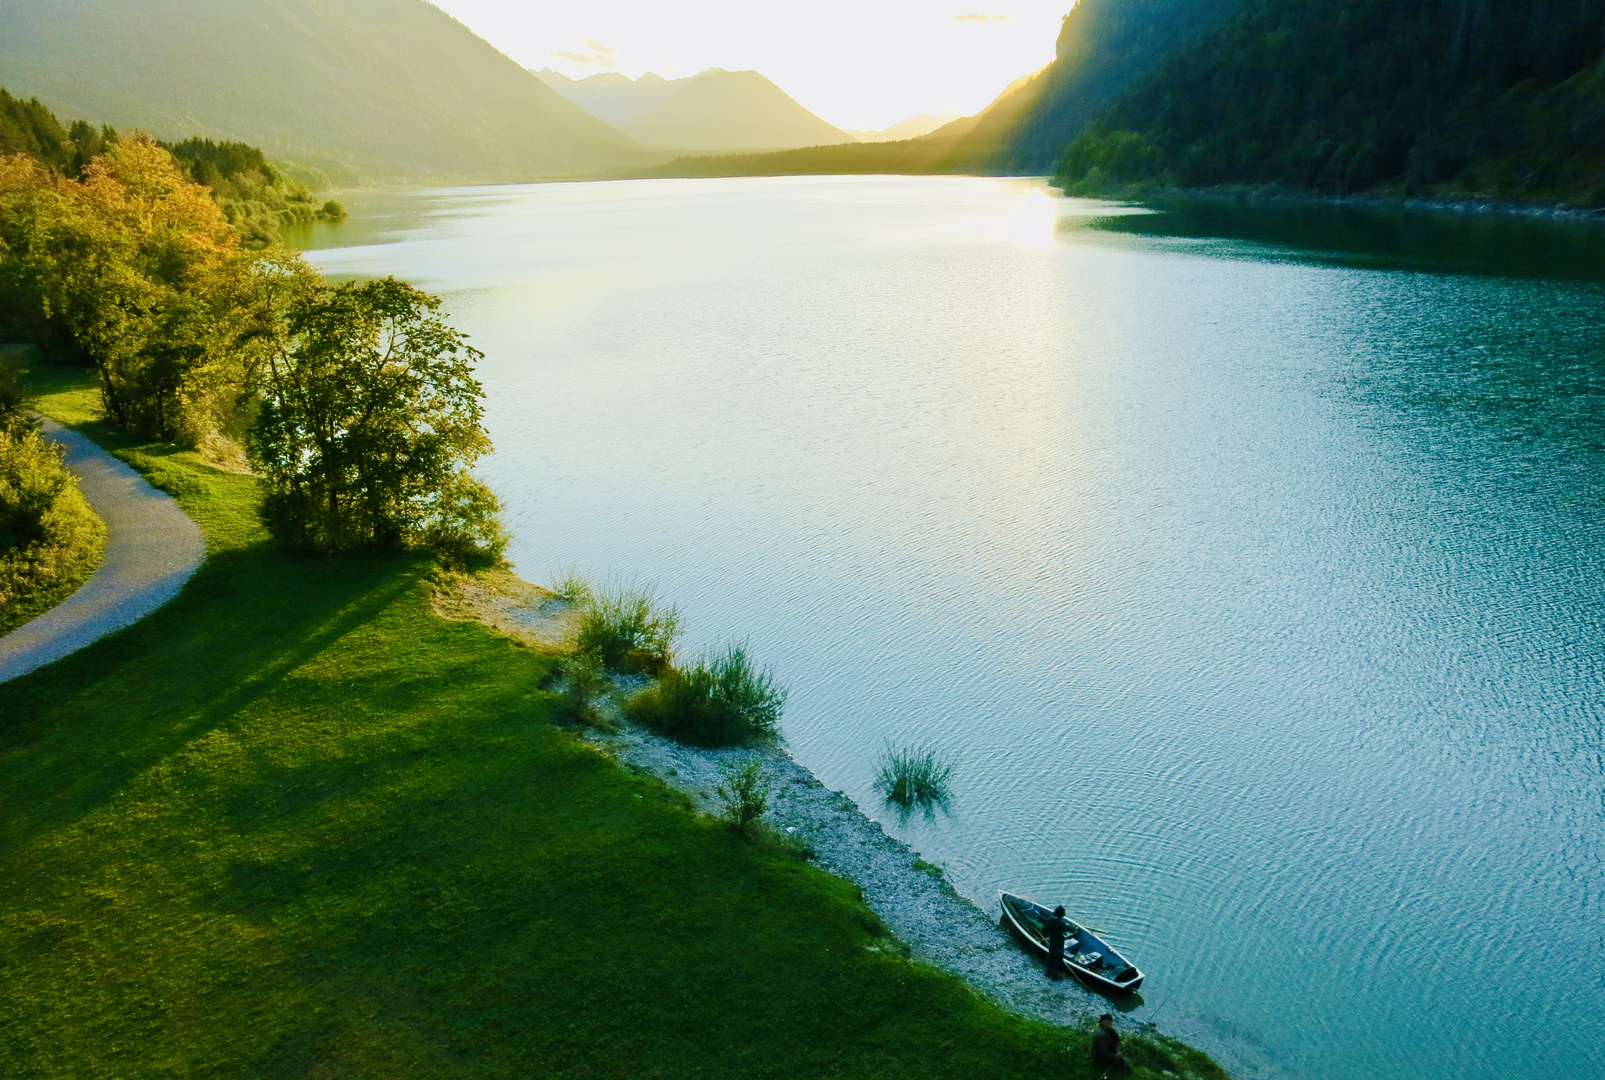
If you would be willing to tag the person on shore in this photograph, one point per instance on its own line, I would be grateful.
(1106, 1045)
(1055, 929)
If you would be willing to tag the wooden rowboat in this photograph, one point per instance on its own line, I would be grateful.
(1085, 953)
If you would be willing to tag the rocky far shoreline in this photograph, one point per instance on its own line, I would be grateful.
(1478, 205)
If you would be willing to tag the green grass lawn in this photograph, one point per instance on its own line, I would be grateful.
(294, 825)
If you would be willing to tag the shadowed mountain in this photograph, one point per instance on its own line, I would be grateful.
(352, 89)
(1105, 47)
(717, 110)
(1447, 98)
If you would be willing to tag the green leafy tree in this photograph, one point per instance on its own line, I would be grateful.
(135, 269)
(370, 420)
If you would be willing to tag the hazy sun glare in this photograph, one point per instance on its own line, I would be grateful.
(856, 63)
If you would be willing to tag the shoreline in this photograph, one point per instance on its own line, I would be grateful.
(939, 925)
(935, 923)
(1479, 205)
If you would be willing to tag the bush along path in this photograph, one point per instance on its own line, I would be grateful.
(152, 549)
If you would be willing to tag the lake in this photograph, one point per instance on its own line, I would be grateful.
(1250, 561)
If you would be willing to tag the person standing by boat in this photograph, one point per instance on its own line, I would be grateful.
(1056, 928)
(1106, 1045)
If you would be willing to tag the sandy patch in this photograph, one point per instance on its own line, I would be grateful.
(509, 605)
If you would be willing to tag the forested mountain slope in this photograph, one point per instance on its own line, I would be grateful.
(256, 198)
(1104, 48)
(357, 89)
(1443, 97)
(717, 110)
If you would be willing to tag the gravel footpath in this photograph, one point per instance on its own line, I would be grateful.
(152, 548)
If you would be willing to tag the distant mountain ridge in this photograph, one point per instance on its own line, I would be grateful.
(715, 111)
(610, 96)
(912, 128)
(357, 90)
(1105, 47)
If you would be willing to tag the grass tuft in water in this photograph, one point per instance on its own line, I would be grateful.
(913, 776)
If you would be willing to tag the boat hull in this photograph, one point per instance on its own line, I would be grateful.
(1022, 917)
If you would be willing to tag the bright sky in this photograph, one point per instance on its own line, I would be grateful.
(863, 64)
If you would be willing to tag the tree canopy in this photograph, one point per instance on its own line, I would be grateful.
(358, 401)
(370, 420)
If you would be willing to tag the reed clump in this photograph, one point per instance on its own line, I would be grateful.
(721, 700)
(914, 776)
(573, 589)
(628, 630)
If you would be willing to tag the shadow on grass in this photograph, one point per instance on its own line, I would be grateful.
(80, 728)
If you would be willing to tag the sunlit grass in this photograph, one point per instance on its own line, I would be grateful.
(628, 629)
(573, 588)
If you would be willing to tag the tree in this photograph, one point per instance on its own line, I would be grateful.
(135, 269)
(370, 420)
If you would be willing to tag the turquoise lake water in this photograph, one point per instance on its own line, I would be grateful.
(1250, 562)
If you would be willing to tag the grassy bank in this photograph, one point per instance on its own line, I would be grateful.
(293, 824)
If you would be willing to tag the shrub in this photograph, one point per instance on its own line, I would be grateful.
(12, 399)
(50, 540)
(585, 682)
(721, 701)
(628, 630)
(913, 776)
(745, 794)
(462, 523)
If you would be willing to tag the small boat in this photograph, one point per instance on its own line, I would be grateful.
(1085, 953)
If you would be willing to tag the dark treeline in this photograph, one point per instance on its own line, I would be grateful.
(257, 199)
(1449, 98)
(27, 127)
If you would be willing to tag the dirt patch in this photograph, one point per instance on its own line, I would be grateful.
(508, 604)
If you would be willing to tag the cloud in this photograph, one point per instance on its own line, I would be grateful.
(601, 54)
(982, 18)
